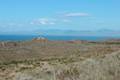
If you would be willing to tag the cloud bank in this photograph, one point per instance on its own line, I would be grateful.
(76, 14)
(54, 20)
(43, 21)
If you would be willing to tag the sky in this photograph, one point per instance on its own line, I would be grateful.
(30, 16)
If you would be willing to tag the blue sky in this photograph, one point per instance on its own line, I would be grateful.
(29, 16)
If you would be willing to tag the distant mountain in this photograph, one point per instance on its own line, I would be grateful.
(63, 32)
(102, 32)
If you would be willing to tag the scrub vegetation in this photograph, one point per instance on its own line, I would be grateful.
(60, 60)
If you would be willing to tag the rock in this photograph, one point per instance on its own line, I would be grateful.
(40, 39)
(8, 44)
(77, 41)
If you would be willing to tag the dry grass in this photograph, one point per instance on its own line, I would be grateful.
(60, 61)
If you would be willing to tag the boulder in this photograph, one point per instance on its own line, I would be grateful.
(8, 44)
(77, 41)
(40, 39)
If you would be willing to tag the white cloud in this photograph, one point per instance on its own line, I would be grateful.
(76, 14)
(43, 21)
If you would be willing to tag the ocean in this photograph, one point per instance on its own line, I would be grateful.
(49, 37)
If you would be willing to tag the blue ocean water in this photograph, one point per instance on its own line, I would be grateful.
(30, 37)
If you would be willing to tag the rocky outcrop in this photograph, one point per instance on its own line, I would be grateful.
(39, 39)
(8, 44)
(78, 41)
